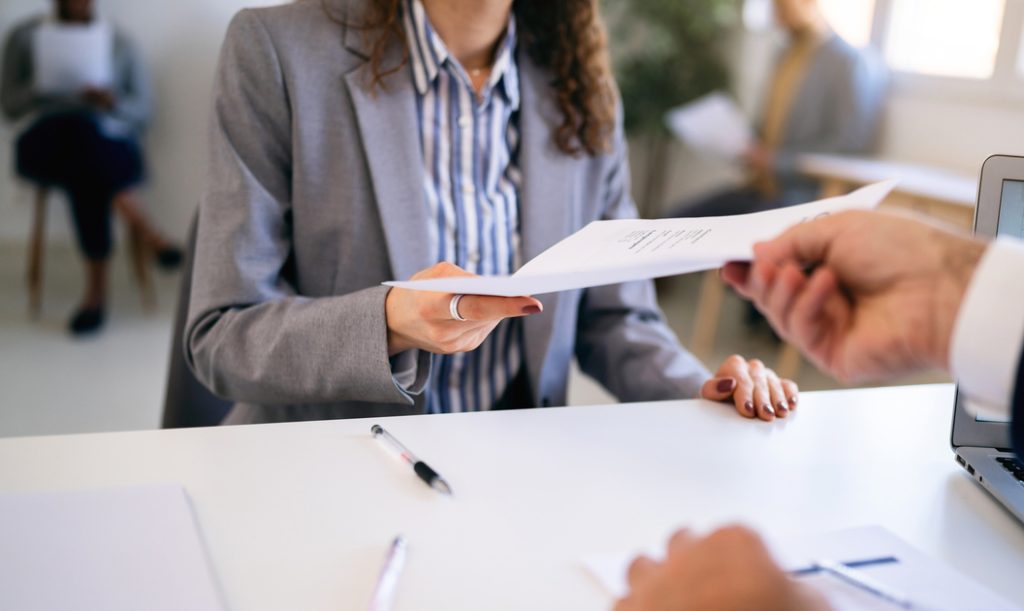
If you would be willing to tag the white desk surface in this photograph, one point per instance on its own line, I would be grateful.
(916, 180)
(299, 516)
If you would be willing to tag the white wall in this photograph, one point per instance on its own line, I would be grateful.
(179, 41)
(955, 133)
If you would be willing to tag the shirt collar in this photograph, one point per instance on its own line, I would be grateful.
(428, 54)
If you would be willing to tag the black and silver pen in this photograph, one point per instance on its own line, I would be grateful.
(422, 469)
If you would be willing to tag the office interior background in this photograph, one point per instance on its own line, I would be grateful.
(956, 96)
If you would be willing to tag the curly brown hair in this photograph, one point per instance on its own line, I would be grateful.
(564, 37)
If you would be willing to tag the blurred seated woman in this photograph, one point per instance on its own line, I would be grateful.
(86, 144)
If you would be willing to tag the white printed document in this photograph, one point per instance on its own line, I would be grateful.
(610, 252)
(68, 58)
(876, 553)
(120, 549)
(712, 124)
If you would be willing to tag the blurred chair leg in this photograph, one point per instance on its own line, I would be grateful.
(140, 258)
(709, 308)
(37, 240)
(834, 187)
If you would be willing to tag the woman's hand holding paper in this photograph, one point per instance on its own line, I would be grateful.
(425, 320)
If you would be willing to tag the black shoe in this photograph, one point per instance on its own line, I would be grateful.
(86, 321)
(169, 258)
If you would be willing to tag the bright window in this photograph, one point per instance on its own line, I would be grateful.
(957, 38)
(851, 19)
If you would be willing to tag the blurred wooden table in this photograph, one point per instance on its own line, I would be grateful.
(941, 194)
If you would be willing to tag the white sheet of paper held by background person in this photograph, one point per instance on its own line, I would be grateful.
(69, 58)
(610, 252)
(712, 124)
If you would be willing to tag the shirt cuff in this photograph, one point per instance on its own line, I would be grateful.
(989, 331)
(411, 370)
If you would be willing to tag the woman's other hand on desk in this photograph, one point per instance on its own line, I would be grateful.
(728, 570)
(756, 390)
(865, 295)
(423, 320)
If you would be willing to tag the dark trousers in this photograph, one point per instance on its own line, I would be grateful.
(69, 151)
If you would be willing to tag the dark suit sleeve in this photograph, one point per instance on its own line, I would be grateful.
(16, 96)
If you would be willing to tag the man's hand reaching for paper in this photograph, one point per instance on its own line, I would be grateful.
(755, 390)
(865, 295)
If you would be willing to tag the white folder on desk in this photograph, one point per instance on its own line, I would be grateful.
(122, 549)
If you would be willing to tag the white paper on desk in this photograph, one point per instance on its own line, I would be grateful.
(120, 549)
(713, 124)
(930, 584)
(610, 252)
(69, 58)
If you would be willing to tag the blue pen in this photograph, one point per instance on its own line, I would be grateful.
(858, 579)
(850, 564)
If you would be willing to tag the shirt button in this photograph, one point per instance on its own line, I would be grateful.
(474, 257)
(468, 189)
(465, 122)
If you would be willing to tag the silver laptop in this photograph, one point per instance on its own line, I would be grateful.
(983, 446)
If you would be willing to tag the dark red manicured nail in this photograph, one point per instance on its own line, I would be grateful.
(726, 385)
(768, 409)
(749, 406)
(781, 408)
(532, 309)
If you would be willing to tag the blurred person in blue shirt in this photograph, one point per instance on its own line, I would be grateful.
(86, 143)
(825, 96)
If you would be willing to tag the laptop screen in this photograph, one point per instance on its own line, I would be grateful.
(1011, 209)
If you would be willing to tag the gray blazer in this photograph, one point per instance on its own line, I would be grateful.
(18, 98)
(838, 109)
(314, 197)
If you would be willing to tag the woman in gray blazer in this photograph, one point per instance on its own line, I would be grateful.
(355, 142)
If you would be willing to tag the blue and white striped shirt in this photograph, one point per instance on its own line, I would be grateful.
(471, 183)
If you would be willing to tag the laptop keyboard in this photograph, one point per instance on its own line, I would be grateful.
(1014, 466)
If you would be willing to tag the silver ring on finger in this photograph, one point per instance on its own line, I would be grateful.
(453, 308)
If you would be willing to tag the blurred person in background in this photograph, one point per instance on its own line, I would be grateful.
(825, 96)
(86, 144)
